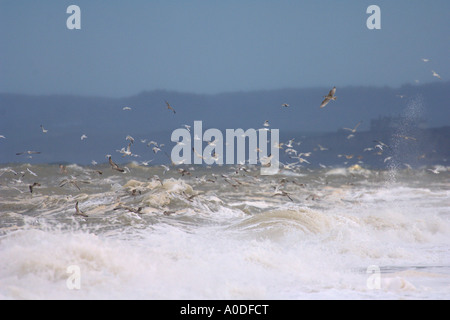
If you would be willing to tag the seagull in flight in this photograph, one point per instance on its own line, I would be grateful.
(156, 150)
(380, 145)
(300, 159)
(31, 172)
(435, 171)
(405, 137)
(329, 97)
(166, 168)
(130, 138)
(170, 107)
(281, 193)
(138, 210)
(43, 130)
(354, 129)
(183, 172)
(114, 166)
(83, 137)
(36, 184)
(126, 108)
(152, 143)
(73, 181)
(285, 105)
(198, 154)
(126, 152)
(289, 144)
(146, 163)
(78, 212)
(28, 152)
(436, 75)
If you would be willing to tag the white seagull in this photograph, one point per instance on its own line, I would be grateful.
(126, 152)
(152, 143)
(31, 172)
(436, 75)
(156, 149)
(352, 130)
(289, 144)
(83, 137)
(146, 163)
(166, 168)
(130, 138)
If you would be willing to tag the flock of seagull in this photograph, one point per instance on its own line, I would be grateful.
(155, 147)
(379, 147)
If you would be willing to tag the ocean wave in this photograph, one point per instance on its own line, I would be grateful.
(216, 234)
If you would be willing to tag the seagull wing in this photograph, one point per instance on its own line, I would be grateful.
(287, 195)
(115, 166)
(112, 163)
(325, 102)
(382, 143)
(79, 212)
(332, 92)
(75, 184)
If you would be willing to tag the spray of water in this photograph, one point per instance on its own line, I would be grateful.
(403, 146)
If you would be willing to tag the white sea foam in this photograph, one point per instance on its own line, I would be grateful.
(228, 242)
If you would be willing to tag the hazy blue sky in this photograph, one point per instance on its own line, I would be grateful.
(209, 46)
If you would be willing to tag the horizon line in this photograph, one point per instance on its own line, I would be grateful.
(174, 91)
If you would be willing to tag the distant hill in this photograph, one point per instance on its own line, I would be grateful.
(106, 124)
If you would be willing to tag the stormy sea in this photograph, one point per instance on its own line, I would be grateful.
(223, 232)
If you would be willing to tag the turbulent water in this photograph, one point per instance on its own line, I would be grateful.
(223, 233)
